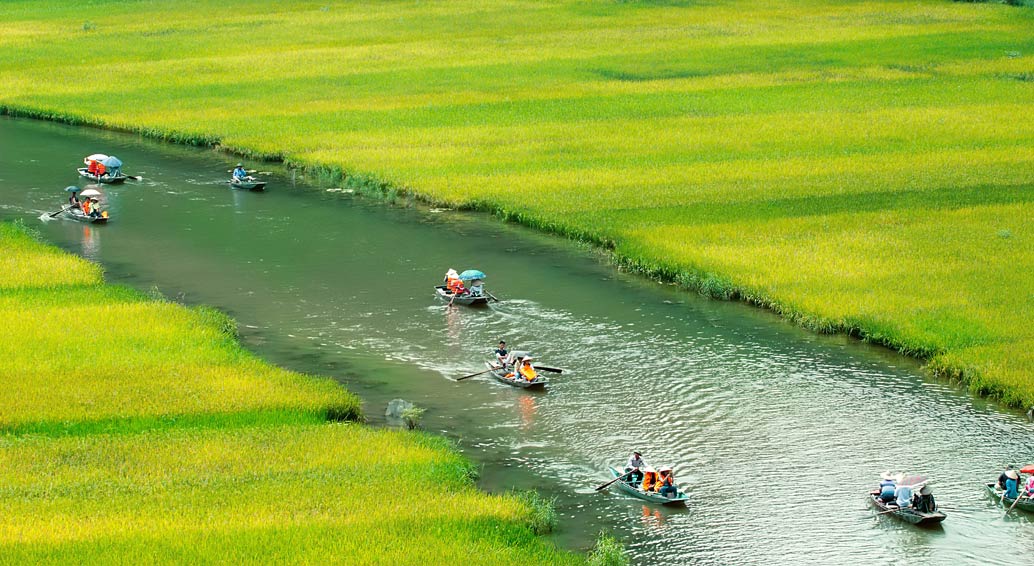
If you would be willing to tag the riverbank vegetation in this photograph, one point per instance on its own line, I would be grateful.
(138, 430)
(859, 166)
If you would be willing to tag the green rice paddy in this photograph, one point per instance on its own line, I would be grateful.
(859, 166)
(137, 430)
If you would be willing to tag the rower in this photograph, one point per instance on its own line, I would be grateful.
(74, 200)
(239, 174)
(501, 353)
(1003, 477)
(633, 468)
(666, 482)
(1012, 484)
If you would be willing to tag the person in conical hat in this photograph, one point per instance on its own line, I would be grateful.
(666, 482)
(1012, 484)
(886, 487)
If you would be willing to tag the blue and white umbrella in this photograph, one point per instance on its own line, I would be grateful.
(112, 162)
(471, 274)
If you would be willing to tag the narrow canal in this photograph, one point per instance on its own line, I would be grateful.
(776, 433)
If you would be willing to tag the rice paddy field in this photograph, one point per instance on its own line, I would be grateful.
(859, 166)
(137, 430)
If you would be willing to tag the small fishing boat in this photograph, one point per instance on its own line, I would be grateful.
(248, 185)
(473, 300)
(106, 179)
(500, 373)
(77, 214)
(907, 514)
(680, 499)
(1024, 504)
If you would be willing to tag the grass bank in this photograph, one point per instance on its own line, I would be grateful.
(859, 166)
(137, 430)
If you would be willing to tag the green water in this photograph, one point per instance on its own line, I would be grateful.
(775, 433)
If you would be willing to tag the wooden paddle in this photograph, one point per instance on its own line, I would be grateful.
(135, 177)
(478, 373)
(60, 211)
(606, 485)
(491, 296)
(549, 369)
(1015, 501)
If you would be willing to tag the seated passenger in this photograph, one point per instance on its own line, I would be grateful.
(95, 209)
(666, 482)
(501, 353)
(457, 288)
(650, 482)
(886, 488)
(903, 494)
(527, 371)
(101, 170)
(86, 206)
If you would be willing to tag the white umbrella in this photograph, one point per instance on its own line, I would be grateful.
(90, 193)
(94, 157)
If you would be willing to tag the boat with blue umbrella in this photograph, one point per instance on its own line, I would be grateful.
(102, 168)
(467, 288)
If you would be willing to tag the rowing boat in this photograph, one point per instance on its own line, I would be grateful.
(1024, 504)
(245, 185)
(680, 499)
(106, 179)
(445, 294)
(500, 373)
(77, 214)
(907, 514)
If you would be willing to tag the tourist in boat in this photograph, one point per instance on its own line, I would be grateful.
(501, 353)
(903, 494)
(86, 206)
(1012, 484)
(91, 167)
(95, 209)
(477, 287)
(650, 483)
(100, 170)
(239, 174)
(887, 487)
(634, 468)
(666, 482)
(526, 370)
(457, 288)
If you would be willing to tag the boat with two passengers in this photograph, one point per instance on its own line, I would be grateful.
(680, 499)
(102, 168)
(505, 373)
(919, 507)
(467, 288)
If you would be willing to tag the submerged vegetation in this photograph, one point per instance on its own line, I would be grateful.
(852, 165)
(138, 430)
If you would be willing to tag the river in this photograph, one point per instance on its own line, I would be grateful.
(776, 433)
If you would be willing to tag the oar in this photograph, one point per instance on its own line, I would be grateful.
(549, 369)
(606, 485)
(478, 373)
(491, 296)
(135, 177)
(1015, 501)
(59, 212)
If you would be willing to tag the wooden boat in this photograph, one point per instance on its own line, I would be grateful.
(907, 514)
(1024, 504)
(680, 499)
(77, 214)
(499, 373)
(471, 300)
(106, 179)
(246, 185)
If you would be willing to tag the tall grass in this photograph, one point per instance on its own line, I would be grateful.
(336, 493)
(849, 163)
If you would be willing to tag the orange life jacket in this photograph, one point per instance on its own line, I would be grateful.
(649, 481)
(92, 167)
(86, 206)
(100, 169)
(528, 372)
(665, 479)
(456, 286)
